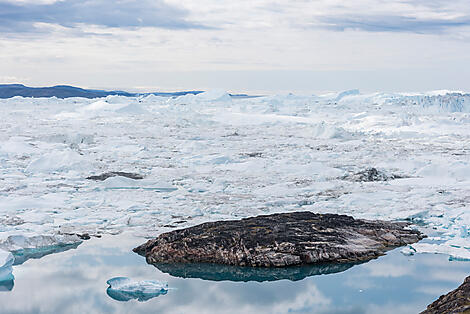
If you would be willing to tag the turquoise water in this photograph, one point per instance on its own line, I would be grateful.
(74, 281)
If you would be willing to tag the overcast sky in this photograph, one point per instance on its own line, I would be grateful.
(242, 46)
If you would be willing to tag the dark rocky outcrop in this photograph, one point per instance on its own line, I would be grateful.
(107, 175)
(457, 301)
(279, 240)
(371, 175)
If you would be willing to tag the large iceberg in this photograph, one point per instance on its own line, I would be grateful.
(124, 289)
(37, 246)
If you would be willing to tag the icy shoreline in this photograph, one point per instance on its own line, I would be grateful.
(208, 157)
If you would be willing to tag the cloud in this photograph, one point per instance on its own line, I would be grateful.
(391, 23)
(24, 17)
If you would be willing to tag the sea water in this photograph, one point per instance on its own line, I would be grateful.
(74, 281)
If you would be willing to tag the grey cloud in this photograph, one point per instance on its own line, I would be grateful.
(20, 18)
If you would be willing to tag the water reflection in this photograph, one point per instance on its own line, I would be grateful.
(125, 296)
(216, 272)
(7, 285)
(74, 281)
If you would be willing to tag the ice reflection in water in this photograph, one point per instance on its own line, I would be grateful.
(7, 285)
(74, 281)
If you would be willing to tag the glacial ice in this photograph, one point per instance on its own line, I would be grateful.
(15, 243)
(209, 156)
(124, 289)
(119, 183)
(6, 263)
(58, 161)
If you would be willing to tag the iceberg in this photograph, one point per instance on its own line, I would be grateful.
(6, 263)
(124, 289)
(24, 247)
(454, 252)
(352, 92)
(58, 162)
(22, 242)
(123, 183)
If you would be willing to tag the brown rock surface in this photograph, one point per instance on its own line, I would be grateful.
(279, 240)
(457, 301)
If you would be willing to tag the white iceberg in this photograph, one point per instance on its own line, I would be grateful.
(36, 246)
(61, 161)
(20, 242)
(124, 289)
(455, 252)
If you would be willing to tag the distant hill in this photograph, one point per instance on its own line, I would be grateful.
(64, 91)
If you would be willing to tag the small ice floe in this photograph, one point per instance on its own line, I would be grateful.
(59, 161)
(124, 289)
(454, 252)
(6, 263)
(123, 183)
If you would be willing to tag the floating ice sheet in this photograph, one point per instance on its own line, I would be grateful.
(123, 183)
(124, 289)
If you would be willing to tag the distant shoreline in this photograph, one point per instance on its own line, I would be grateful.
(65, 91)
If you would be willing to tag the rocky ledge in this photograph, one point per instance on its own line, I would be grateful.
(279, 240)
(457, 301)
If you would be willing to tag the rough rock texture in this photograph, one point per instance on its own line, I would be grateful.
(279, 240)
(457, 301)
(107, 175)
(371, 175)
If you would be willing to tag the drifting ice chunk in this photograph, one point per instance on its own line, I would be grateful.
(215, 95)
(132, 109)
(123, 289)
(24, 248)
(6, 263)
(20, 242)
(123, 183)
(58, 161)
(16, 146)
(352, 92)
(455, 253)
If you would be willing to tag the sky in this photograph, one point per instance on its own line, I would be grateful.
(262, 46)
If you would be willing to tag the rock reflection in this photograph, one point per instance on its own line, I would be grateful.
(217, 272)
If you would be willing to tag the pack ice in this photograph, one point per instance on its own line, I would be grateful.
(210, 157)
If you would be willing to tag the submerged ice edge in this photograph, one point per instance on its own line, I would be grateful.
(6, 263)
(209, 157)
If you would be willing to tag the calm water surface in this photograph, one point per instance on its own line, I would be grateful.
(74, 281)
